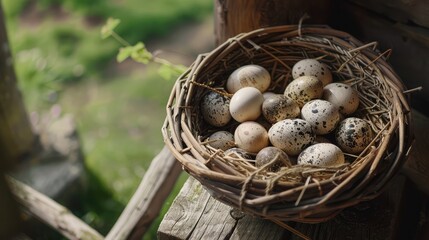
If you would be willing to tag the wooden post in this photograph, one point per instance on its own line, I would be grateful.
(237, 16)
(16, 135)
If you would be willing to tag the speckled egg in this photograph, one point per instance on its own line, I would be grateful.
(343, 96)
(251, 136)
(222, 140)
(279, 107)
(304, 89)
(322, 115)
(248, 76)
(246, 104)
(322, 154)
(238, 153)
(215, 109)
(272, 155)
(312, 67)
(291, 135)
(353, 135)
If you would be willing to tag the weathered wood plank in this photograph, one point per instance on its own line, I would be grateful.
(184, 214)
(404, 11)
(410, 45)
(146, 203)
(255, 228)
(194, 214)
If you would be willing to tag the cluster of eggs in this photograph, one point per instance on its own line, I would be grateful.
(292, 124)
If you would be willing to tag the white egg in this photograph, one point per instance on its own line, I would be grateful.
(322, 154)
(353, 135)
(343, 96)
(248, 76)
(312, 67)
(222, 140)
(279, 107)
(272, 155)
(291, 135)
(251, 137)
(268, 95)
(215, 109)
(246, 104)
(322, 115)
(304, 89)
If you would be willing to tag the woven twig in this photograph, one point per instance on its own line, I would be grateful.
(298, 193)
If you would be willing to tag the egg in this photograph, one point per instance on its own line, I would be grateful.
(322, 115)
(279, 107)
(322, 154)
(268, 95)
(343, 96)
(272, 155)
(238, 153)
(304, 89)
(312, 67)
(353, 135)
(246, 104)
(251, 136)
(215, 109)
(291, 135)
(222, 140)
(248, 76)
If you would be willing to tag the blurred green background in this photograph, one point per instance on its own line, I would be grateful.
(61, 59)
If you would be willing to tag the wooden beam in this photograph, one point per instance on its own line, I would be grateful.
(149, 198)
(9, 218)
(16, 136)
(233, 17)
(51, 213)
(404, 11)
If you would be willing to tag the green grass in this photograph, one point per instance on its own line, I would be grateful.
(119, 123)
(119, 116)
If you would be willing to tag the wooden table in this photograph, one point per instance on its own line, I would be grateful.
(401, 212)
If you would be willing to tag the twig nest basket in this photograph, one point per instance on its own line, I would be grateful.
(302, 193)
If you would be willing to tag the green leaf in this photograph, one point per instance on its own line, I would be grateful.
(138, 53)
(141, 54)
(107, 29)
(124, 53)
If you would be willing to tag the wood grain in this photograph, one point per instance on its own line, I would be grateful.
(233, 17)
(194, 214)
(404, 11)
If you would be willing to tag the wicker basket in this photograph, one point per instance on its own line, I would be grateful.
(303, 194)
